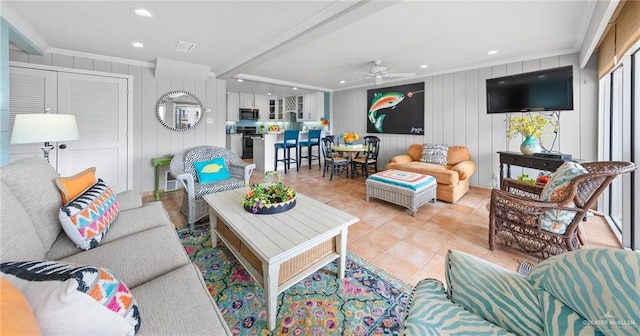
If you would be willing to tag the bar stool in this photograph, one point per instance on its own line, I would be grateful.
(312, 141)
(290, 141)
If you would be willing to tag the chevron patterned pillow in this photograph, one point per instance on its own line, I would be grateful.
(88, 217)
(69, 299)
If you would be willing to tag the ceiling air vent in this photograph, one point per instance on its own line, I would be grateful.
(185, 46)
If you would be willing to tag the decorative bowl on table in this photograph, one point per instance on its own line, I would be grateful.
(270, 197)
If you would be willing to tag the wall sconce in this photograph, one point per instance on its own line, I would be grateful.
(44, 127)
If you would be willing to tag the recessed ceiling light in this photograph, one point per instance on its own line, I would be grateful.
(138, 44)
(141, 12)
(240, 80)
(268, 93)
(342, 82)
(492, 52)
(424, 66)
(295, 88)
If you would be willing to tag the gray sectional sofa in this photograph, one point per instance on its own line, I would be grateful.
(141, 248)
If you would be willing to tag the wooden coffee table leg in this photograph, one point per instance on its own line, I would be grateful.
(341, 242)
(213, 221)
(270, 278)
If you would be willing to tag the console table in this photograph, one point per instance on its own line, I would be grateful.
(528, 161)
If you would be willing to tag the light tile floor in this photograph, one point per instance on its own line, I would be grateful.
(410, 248)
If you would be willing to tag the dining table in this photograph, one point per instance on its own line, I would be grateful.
(352, 151)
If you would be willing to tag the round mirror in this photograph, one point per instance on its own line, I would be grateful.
(179, 110)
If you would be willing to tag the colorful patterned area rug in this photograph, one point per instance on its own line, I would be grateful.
(367, 301)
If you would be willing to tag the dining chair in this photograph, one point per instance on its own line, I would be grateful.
(313, 140)
(332, 161)
(290, 141)
(370, 158)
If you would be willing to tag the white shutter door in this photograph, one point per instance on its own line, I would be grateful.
(30, 91)
(100, 106)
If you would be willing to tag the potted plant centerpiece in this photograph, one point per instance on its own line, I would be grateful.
(270, 197)
(531, 128)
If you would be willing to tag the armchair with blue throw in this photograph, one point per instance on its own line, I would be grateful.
(585, 292)
(182, 167)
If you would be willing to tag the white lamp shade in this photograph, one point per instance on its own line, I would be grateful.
(31, 128)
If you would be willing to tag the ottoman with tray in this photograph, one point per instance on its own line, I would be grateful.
(404, 188)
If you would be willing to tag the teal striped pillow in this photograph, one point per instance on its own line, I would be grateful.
(561, 320)
(499, 296)
(601, 285)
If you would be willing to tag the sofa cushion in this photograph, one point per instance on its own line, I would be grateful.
(17, 317)
(443, 174)
(72, 186)
(32, 182)
(18, 237)
(507, 299)
(434, 153)
(128, 222)
(137, 258)
(606, 279)
(457, 154)
(429, 312)
(160, 301)
(71, 299)
(87, 218)
(415, 151)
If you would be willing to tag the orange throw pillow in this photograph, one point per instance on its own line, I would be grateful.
(17, 316)
(72, 186)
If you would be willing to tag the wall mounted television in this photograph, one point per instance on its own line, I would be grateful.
(545, 90)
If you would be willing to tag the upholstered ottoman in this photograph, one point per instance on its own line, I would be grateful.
(408, 189)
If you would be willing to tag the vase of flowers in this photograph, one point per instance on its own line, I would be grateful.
(531, 128)
(349, 137)
(325, 124)
(270, 197)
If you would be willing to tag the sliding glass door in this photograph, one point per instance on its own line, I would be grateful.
(620, 141)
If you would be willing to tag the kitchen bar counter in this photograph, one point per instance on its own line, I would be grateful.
(264, 149)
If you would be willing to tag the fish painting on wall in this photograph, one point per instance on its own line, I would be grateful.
(396, 109)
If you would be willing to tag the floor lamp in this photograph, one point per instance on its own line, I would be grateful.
(44, 127)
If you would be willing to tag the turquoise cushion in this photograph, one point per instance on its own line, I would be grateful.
(429, 312)
(556, 221)
(499, 296)
(212, 170)
(599, 284)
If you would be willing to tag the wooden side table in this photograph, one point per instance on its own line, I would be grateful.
(159, 162)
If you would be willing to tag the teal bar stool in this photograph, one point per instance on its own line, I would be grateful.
(312, 141)
(290, 141)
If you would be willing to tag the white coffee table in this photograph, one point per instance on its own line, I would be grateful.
(282, 249)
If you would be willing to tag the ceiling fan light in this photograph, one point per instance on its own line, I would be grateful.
(378, 79)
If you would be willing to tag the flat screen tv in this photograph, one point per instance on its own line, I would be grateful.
(545, 90)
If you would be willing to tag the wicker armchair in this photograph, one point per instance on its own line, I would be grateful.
(193, 206)
(515, 211)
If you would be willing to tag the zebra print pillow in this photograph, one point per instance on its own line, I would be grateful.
(69, 299)
(432, 153)
(88, 217)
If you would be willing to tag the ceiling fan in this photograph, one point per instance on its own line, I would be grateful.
(378, 73)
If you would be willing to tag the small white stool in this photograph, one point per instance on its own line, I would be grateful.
(408, 189)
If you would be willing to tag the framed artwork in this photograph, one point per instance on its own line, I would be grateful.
(396, 109)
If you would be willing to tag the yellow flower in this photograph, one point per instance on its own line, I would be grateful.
(528, 125)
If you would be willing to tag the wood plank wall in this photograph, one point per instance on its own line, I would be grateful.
(455, 114)
(150, 138)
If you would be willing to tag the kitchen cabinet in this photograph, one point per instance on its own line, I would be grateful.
(247, 100)
(233, 106)
(262, 104)
(273, 107)
(312, 107)
(280, 110)
(291, 104)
